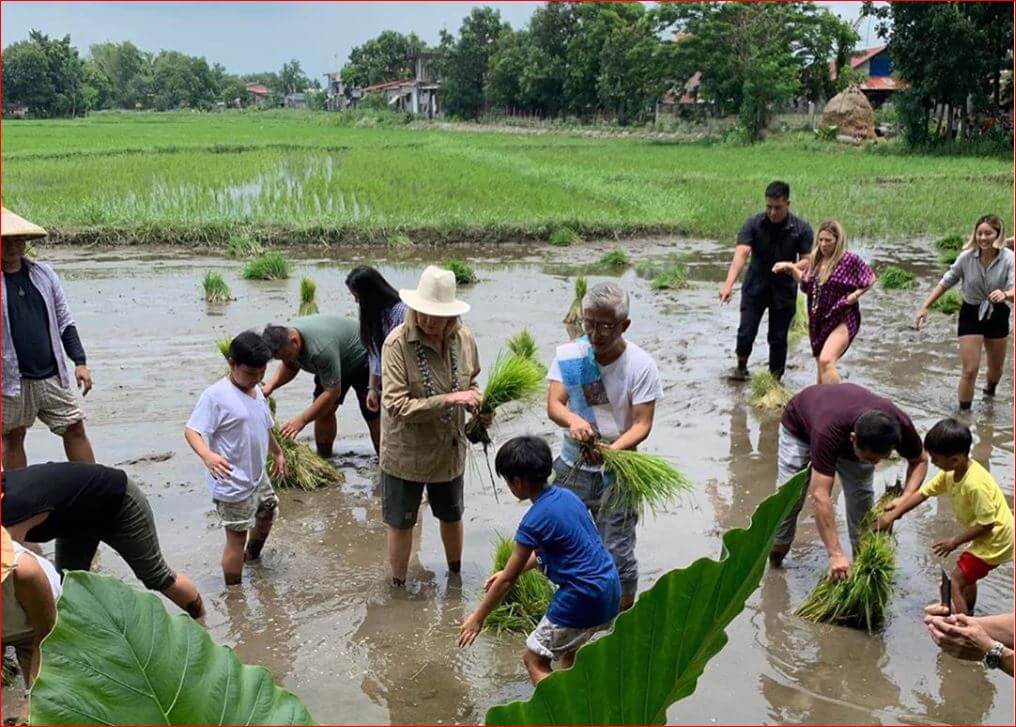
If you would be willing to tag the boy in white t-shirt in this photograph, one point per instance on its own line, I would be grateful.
(621, 400)
(233, 416)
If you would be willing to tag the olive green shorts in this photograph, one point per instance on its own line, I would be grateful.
(400, 500)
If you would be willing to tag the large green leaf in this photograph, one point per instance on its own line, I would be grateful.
(658, 649)
(116, 657)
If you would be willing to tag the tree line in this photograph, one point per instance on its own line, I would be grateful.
(50, 78)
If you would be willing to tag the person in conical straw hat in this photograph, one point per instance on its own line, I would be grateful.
(429, 366)
(39, 335)
(31, 587)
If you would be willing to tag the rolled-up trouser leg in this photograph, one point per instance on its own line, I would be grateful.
(858, 481)
(794, 456)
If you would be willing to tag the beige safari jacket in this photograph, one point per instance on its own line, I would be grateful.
(416, 445)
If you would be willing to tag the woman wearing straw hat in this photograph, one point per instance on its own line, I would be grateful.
(429, 366)
(30, 589)
(37, 331)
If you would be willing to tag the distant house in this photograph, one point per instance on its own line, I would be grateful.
(15, 111)
(419, 95)
(258, 94)
(876, 67)
(295, 101)
(336, 96)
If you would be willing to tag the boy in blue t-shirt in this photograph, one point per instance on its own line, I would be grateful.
(558, 534)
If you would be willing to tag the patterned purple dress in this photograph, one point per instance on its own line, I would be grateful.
(827, 302)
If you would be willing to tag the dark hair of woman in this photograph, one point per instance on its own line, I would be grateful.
(375, 296)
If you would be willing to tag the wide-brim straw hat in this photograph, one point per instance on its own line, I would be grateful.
(14, 226)
(435, 294)
(8, 555)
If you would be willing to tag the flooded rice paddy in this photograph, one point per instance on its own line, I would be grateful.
(318, 611)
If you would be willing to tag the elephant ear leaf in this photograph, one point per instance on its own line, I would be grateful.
(659, 648)
(116, 657)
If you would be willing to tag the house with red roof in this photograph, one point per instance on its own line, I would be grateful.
(876, 68)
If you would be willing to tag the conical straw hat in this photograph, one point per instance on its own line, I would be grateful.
(12, 225)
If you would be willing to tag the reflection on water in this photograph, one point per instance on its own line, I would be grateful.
(319, 613)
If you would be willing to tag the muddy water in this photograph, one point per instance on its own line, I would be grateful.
(318, 611)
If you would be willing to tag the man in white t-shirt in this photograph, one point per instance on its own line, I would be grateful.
(622, 402)
(233, 416)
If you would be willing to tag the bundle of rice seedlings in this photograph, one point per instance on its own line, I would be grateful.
(523, 344)
(893, 277)
(949, 303)
(799, 324)
(573, 319)
(949, 248)
(223, 345)
(616, 258)
(464, 274)
(270, 266)
(308, 306)
(861, 600)
(563, 236)
(526, 602)
(767, 392)
(512, 378)
(641, 481)
(305, 470)
(216, 289)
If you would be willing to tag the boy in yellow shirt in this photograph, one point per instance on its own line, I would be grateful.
(979, 505)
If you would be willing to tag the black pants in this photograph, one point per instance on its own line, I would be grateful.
(781, 313)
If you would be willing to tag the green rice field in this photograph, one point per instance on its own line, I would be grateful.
(289, 176)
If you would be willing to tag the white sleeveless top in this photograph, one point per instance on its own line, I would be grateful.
(16, 625)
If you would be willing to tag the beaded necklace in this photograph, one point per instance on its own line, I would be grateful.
(428, 376)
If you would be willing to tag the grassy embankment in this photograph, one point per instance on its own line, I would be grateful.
(285, 177)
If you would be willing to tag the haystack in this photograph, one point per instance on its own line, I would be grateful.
(851, 114)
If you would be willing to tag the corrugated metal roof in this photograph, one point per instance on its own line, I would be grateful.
(882, 83)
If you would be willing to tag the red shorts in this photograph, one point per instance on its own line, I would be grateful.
(974, 569)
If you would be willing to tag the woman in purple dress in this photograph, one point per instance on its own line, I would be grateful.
(834, 279)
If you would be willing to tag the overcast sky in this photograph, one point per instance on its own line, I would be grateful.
(261, 36)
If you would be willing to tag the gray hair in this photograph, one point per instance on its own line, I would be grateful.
(607, 296)
(276, 337)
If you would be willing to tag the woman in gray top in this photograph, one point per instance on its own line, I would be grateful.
(985, 268)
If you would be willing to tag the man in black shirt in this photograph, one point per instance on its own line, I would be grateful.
(80, 505)
(37, 330)
(766, 239)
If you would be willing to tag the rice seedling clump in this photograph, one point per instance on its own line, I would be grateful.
(243, 246)
(512, 378)
(949, 248)
(216, 289)
(573, 318)
(893, 277)
(861, 600)
(464, 274)
(563, 237)
(767, 392)
(616, 258)
(948, 303)
(642, 482)
(308, 305)
(270, 266)
(527, 600)
(523, 344)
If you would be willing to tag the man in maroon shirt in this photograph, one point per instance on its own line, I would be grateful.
(841, 429)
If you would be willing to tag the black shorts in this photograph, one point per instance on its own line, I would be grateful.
(400, 500)
(996, 325)
(359, 380)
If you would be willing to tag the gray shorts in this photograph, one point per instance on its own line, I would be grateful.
(552, 641)
(856, 478)
(400, 500)
(131, 533)
(44, 399)
(240, 516)
(616, 527)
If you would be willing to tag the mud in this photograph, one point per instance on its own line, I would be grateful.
(318, 611)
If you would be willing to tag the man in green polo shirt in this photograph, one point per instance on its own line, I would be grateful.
(328, 347)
